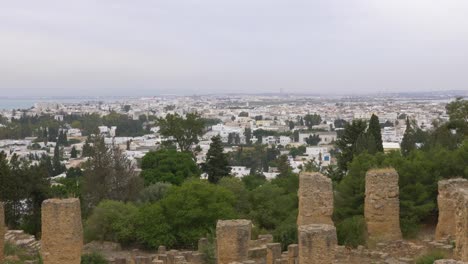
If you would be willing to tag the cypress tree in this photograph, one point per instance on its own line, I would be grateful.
(408, 144)
(73, 153)
(216, 165)
(374, 130)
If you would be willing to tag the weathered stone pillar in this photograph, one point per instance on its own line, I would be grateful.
(2, 231)
(273, 253)
(382, 206)
(293, 253)
(317, 244)
(315, 199)
(461, 223)
(62, 231)
(233, 238)
(258, 255)
(446, 201)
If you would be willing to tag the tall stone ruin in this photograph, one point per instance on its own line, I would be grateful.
(2, 231)
(317, 244)
(446, 201)
(232, 240)
(461, 225)
(315, 199)
(62, 231)
(382, 206)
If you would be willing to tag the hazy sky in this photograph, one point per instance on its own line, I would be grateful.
(149, 47)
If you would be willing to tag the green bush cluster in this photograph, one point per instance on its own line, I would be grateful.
(430, 258)
(419, 173)
(182, 214)
(93, 258)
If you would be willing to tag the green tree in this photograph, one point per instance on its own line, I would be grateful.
(154, 192)
(168, 165)
(283, 166)
(73, 153)
(56, 161)
(108, 175)
(346, 143)
(112, 221)
(248, 136)
(185, 131)
(312, 120)
(313, 140)
(374, 130)
(216, 165)
(188, 212)
(408, 144)
(458, 110)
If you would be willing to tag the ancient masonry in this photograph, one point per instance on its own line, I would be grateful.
(2, 230)
(461, 225)
(62, 231)
(315, 199)
(317, 244)
(446, 201)
(232, 240)
(382, 206)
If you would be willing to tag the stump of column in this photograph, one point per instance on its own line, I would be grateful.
(232, 240)
(382, 205)
(317, 244)
(446, 202)
(315, 199)
(461, 223)
(2, 232)
(273, 253)
(62, 231)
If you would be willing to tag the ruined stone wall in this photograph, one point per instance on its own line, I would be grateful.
(2, 231)
(317, 244)
(446, 201)
(232, 240)
(62, 231)
(315, 199)
(382, 206)
(461, 225)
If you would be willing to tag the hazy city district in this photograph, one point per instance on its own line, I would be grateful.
(252, 179)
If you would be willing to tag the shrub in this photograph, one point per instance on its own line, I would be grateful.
(154, 192)
(352, 231)
(187, 213)
(93, 258)
(430, 258)
(112, 221)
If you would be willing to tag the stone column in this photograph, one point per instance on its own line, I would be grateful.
(446, 201)
(317, 244)
(293, 253)
(461, 223)
(2, 231)
(62, 231)
(232, 238)
(273, 253)
(315, 199)
(382, 205)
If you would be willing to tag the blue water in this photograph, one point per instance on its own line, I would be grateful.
(26, 103)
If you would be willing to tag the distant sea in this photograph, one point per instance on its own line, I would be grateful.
(26, 103)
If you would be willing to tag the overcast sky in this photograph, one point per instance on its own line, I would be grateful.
(151, 47)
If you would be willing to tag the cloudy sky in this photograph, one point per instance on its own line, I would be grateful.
(151, 47)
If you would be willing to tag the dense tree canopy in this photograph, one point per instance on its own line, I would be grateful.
(169, 166)
(185, 131)
(188, 212)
